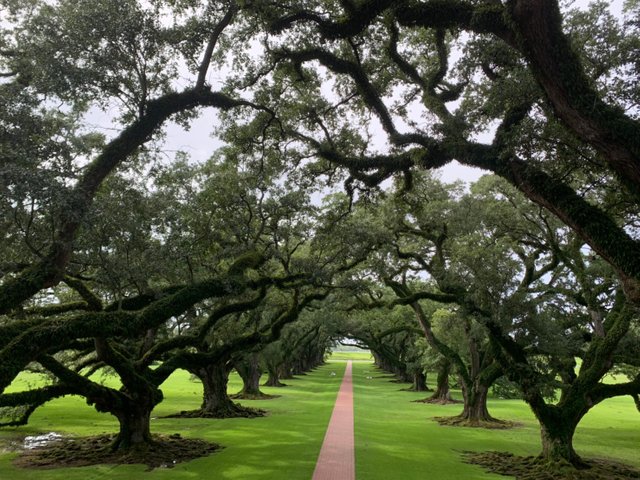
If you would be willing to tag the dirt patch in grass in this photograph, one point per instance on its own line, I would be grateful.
(237, 411)
(259, 396)
(438, 401)
(463, 422)
(534, 468)
(164, 452)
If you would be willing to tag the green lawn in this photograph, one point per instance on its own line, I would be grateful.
(355, 356)
(395, 438)
(285, 444)
(394, 434)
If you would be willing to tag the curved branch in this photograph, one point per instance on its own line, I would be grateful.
(50, 270)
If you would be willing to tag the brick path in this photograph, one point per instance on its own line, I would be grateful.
(337, 459)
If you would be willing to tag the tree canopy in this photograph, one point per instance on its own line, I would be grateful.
(319, 217)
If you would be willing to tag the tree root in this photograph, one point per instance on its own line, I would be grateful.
(438, 401)
(276, 385)
(235, 411)
(253, 396)
(492, 423)
(162, 452)
(538, 468)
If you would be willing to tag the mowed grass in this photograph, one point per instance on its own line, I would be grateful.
(396, 438)
(363, 356)
(283, 445)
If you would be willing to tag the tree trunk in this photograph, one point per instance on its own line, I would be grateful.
(558, 424)
(133, 411)
(215, 400)
(557, 443)
(442, 393)
(376, 359)
(419, 382)
(285, 371)
(273, 378)
(250, 372)
(403, 376)
(475, 409)
(135, 429)
(298, 368)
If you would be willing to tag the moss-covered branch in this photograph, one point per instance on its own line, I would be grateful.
(50, 270)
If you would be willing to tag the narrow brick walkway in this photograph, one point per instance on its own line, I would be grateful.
(337, 458)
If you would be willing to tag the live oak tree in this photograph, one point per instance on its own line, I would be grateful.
(472, 359)
(117, 271)
(550, 307)
(583, 314)
(122, 337)
(302, 346)
(443, 322)
(389, 335)
(391, 66)
(92, 55)
(414, 219)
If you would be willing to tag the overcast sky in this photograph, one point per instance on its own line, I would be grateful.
(199, 143)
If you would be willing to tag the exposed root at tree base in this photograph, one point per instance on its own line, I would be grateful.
(164, 452)
(237, 411)
(464, 422)
(438, 401)
(535, 468)
(411, 389)
(253, 396)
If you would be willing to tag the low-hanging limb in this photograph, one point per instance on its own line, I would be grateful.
(22, 341)
(593, 224)
(534, 29)
(51, 268)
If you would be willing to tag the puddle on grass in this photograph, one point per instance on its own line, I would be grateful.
(35, 441)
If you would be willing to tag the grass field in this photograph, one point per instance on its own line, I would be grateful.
(404, 438)
(395, 438)
(355, 356)
(285, 444)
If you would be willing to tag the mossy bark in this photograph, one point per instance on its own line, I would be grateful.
(135, 431)
(273, 377)
(557, 444)
(215, 400)
(285, 371)
(419, 382)
(475, 409)
(558, 424)
(133, 411)
(250, 372)
(442, 393)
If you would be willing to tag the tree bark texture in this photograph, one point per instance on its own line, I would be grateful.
(475, 404)
(249, 370)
